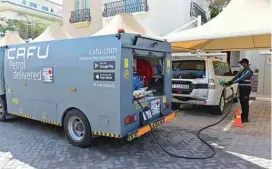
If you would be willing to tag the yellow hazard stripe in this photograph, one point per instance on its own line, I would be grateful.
(132, 136)
(98, 133)
(136, 134)
(157, 123)
(147, 128)
(38, 119)
(21, 115)
(48, 121)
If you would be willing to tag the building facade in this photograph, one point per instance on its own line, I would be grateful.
(160, 16)
(85, 17)
(82, 17)
(43, 10)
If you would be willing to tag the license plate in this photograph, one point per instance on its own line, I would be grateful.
(148, 114)
(180, 86)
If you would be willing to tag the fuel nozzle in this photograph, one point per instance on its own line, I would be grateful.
(222, 82)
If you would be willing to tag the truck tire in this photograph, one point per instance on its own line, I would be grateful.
(77, 129)
(3, 110)
(221, 107)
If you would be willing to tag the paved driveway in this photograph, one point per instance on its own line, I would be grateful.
(29, 144)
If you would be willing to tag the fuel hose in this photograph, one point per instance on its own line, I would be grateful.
(213, 152)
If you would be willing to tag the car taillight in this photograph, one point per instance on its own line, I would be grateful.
(130, 119)
(211, 84)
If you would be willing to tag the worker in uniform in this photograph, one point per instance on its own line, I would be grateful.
(244, 85)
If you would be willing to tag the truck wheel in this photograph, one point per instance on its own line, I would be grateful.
(77, 129)
(221, 107)
(3, 110)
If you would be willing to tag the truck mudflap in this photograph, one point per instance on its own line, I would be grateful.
(145, 129)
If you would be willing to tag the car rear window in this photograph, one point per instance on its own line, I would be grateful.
(189, 65)
(189, 69)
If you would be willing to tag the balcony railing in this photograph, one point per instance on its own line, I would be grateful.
(81, 15)
(125, 6)
(197, 10)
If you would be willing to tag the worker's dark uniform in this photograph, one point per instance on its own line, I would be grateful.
(244, 83)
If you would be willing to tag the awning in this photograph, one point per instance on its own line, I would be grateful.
(11, 38)
(242, 25)
(128, 23)
(52, 33)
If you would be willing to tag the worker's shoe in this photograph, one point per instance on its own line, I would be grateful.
(245, 121)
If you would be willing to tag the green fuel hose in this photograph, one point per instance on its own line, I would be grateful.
(198, 133)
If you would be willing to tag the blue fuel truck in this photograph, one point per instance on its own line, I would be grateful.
(115, 85)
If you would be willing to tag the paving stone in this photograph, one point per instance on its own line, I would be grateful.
(30, 144)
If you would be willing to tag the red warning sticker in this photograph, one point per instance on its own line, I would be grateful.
(48, 75)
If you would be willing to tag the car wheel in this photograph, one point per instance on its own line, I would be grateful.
(175, 106)
(77, 129)
(221, 107)
(3, 110)
(236, 99)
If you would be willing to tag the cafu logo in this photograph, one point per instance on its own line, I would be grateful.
(28, 52)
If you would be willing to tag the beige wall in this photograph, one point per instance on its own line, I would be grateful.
(264, 81)
(82, 29)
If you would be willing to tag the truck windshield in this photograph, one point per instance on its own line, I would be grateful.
(189, 69)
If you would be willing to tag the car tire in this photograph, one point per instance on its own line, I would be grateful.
(175, 106)
(77, 129)
(221, 107)
(3, 110)
(236, 99)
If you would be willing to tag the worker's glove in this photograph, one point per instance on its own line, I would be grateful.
(229, 83)
(222, 83)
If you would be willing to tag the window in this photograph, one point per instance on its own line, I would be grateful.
(189, 65)
(227, 70)
(221, 68)
(32, 4)
(78, 4)
(81, 4)
(87, 3)
(24, 2)
(190, 68)
(44, 8)
(217, 68)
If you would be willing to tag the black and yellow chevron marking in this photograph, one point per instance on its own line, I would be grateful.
(157, 123)
(48, 121)
(132, 136)
(21, 115)
(98, 133)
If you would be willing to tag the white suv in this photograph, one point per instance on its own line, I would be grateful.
(196, 81)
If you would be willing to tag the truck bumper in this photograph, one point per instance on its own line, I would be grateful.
(145, 129)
